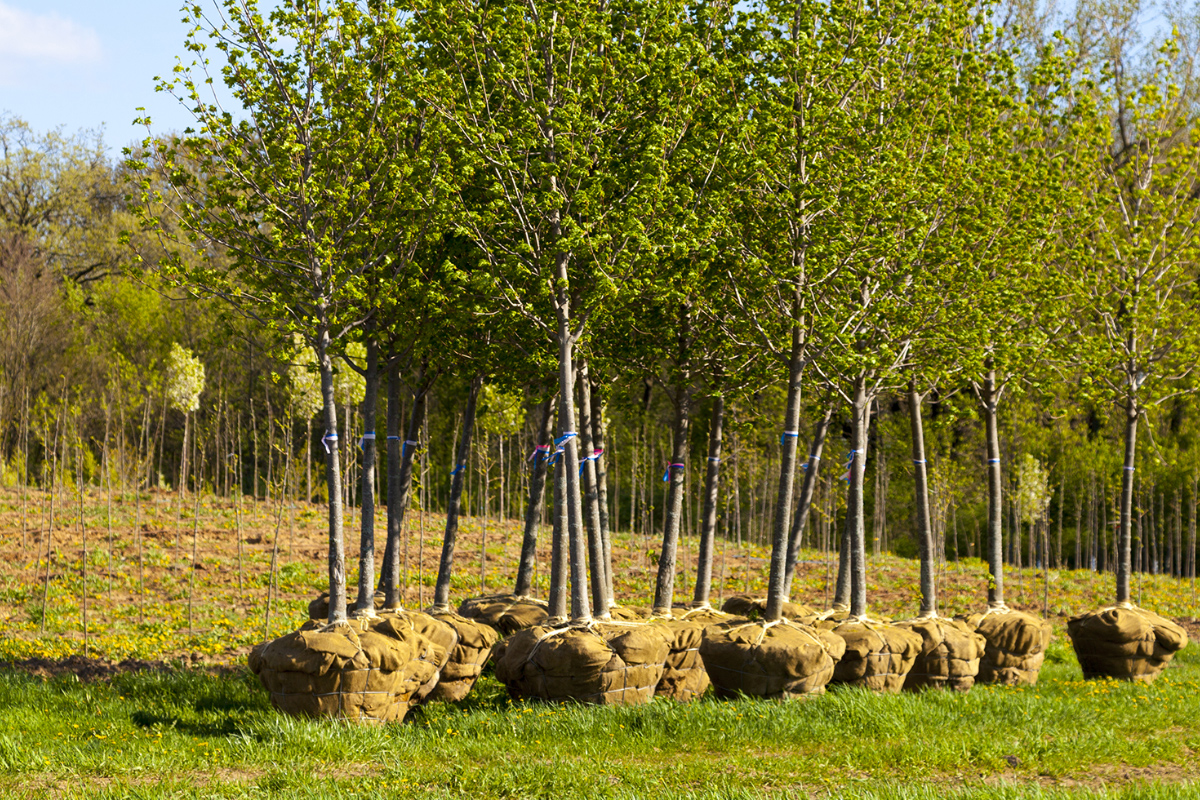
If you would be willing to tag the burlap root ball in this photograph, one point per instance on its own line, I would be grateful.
(319, 608)
(345, 671)
(949, 655)
(1015, 646)
(1124, 642)
(628, 613)
(751, 607)
(684, 677)
(878, 655)
(601, 663)
(507, 613)
(442, 636)
(706, 615)
(475, 643)
(778, 660)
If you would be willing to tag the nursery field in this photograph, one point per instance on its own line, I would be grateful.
(161, 705)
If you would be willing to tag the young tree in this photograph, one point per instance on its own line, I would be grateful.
(1138, 277)
(566, 125)
(297, 186)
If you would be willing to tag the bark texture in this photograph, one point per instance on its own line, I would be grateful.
(441, 592)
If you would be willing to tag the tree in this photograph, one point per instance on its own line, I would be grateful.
(184, 383)
(61, 193)
(566, 125)
(297, 187)
(1138, 272)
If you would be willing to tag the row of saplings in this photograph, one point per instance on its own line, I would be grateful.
(380, 661)
(377, 666)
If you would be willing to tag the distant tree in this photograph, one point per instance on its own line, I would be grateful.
(62, 193)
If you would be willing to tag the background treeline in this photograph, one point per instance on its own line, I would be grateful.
(87, 326)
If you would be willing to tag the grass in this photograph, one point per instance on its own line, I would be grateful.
(204, 728)
(186, 733)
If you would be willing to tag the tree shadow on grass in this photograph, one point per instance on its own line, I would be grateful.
(228, 726)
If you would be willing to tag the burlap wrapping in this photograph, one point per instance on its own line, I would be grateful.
(777, 660)
(1124, 642)
(319, 608)
(507, 613)
(706, 615)
(684, 677)
(1015, 646)
(442, 636)
(949, 655)
(878, 655)
(628, 613)
(602, 663)
(751, 607)
(345, 671)
(474, 647)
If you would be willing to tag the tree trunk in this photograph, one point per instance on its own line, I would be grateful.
(406, 452)
(708, 522)
(1062, 499)
(841, 590)
(559, 547)
(800, 519)
(921, 498)
(988, 402)
(787, 469)
(366, 552)
(1191, 553)
(1123, 548)
(1078, 529)
(539, 462)
(580, 610)
(441, 592)
(333, 477)
(664, 587)
(485, 484)
(591, 497)
(389, 571)
(855, 525)
(599, 438)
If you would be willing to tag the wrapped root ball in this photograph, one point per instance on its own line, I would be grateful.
(1125, 642)
(344, 672)
(474, 647)
(601, 663)
(1015, 646)
(751, 607)
(507, 613)
(949, 655)
(684, 677)
(878, 655)
(779, 660)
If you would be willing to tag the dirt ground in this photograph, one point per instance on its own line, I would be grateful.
(224, 587)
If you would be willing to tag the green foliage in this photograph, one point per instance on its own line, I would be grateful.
(61, 192)
(1033, 490)
(304, 382)
(500, 413)
(348, 382)
(184, 379)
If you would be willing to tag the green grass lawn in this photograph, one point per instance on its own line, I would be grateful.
(195, 734)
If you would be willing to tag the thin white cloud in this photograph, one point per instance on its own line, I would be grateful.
(26, 36)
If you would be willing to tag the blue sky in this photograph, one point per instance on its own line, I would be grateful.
(80, 64)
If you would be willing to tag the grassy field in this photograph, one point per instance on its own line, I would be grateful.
(195, 724)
